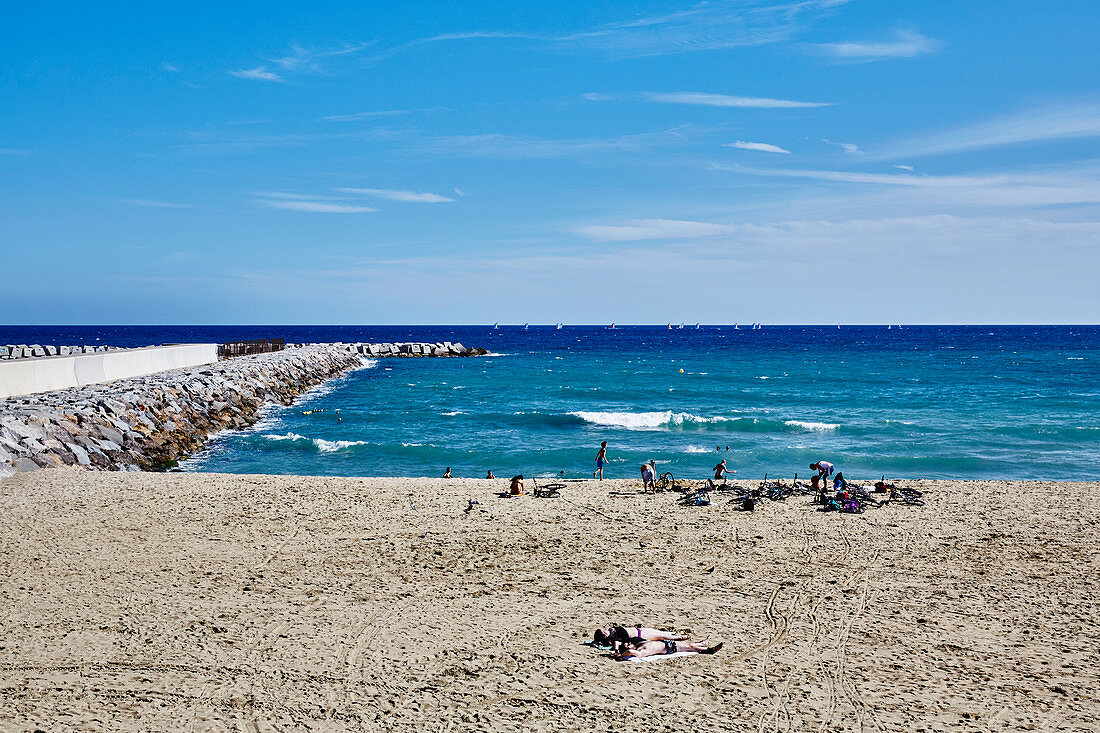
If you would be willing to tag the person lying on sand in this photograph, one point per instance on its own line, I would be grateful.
(622, 634)
(631, 650)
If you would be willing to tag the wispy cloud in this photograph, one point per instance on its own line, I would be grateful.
(170, 68)
(725, 100)
(397, 195)
(904, 45)
(760, 147)
(641, 229)
(359, 116)
(316, 207)
(1040, 124)
(307, 202)
(703, 27)
(994, 189)
(307, 60)
(850, 148)
(519, 147)
(154, 204)
(260, 73)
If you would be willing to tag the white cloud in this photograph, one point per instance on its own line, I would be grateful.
(304, 60)
(516, 147)
(154, 204)
(761, 147)
(850, 148)
(260, 73)
(702, 27)
(725, 100)
(358, 116)
(640, 229)
(905, 168)
(397, 195)
(994, 189)
(905, 45)
(315, 206)
(171, 68)
(1041, 124)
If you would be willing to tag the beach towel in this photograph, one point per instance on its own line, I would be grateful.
(662, 657)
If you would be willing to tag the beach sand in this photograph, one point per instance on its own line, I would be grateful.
(212, 602)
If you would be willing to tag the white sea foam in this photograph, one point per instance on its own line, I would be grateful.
(698, 449)
(287, 436)
(331, 446)
(812, 425)
(452, 414)
(644, 420)
(324, 446)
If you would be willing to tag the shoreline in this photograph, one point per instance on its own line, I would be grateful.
(138, 600)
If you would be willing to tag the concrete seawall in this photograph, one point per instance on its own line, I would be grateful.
(43, 374)
(148, 422)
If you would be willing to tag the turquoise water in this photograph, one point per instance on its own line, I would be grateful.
(919, 402)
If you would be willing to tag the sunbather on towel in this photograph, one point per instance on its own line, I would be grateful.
(632, 650)
(622, 634)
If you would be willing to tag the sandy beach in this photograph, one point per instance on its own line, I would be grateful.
(212, 602)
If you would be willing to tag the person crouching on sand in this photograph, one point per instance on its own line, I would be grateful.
(649, 475)
(447, 473)
(490, 474)
(824, 470)
(516, 489)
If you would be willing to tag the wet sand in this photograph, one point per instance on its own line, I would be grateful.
(214, 602)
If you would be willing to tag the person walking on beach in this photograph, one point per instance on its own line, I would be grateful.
(601, 458)
(720, 471)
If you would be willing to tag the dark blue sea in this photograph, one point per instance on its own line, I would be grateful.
(916, 402)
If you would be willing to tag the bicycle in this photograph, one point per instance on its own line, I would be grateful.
(903, 494)
(667, 482)
(547, 491)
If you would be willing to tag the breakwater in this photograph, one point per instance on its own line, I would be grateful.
(406, 349)
(150, 422)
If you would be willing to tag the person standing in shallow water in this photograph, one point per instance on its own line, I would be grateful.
(601, 458)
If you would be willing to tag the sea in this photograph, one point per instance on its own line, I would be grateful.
(943, 402)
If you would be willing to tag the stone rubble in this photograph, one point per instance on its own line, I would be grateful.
(149, 423)
(407, 349)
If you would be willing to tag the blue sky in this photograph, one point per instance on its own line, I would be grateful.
(820, 161)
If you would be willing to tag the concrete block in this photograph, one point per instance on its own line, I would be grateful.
(50, 350)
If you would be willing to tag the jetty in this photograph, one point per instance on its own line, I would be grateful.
(153, 419)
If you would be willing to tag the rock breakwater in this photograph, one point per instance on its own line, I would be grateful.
(406, 348)
(148, 423)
